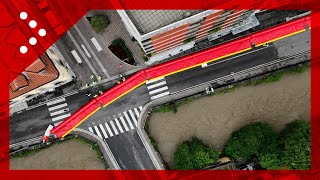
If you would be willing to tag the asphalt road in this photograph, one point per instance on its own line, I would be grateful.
(125, 144)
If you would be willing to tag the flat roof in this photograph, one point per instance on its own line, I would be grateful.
(149, 20)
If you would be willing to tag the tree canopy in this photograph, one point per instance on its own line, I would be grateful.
(194, 155)
(294, 143)
(99, 22)
(250, 140)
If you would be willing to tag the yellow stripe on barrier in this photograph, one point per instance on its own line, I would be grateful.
(184, 69)
(81, 121)
(124, 94)
(282, 37)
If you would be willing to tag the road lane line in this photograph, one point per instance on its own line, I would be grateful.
(76, 56)
(57, 107)
(133, 117)
(108, 129)
(114, 128)
(91, 51)
(97, 131)
(128, 120)
(119, 126)
(103, 131)
(155, 80)
(96, 44)
(137, 112)
(158, 90)
(85, 50)
(91, 130)
(82, 54)
(59, 112)
(56, 101)
(124, 123)
(156, 85)
(160, 95)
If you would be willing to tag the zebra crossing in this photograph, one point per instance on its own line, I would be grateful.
(120, 123)
(58, 109)
(157, 88)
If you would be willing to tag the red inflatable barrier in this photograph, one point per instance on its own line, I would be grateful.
(180, 64)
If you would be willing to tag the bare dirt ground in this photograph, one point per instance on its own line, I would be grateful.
(67, 155)
(214, 118)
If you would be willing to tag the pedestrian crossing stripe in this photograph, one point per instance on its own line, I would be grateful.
(58, 109)
(157, 88)
(120, 123)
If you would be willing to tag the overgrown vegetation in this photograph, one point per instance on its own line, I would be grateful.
(294, 144)
(291, 148)
(194, 155)
(214, 30)
(189, 40)
(250, 140)
(172, 106)
(99, 22)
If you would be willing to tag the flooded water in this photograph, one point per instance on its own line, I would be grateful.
(214, 118)
(67, 155)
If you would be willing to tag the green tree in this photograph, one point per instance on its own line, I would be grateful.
(250, 140)
(194, 155)
(99, 22)
(294, 142)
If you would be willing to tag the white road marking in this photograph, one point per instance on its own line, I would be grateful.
(160, 95)
(56, 101)
(103, 131)
(114, 128)
(124, 123)
(57, 123)
(82, 54)
(76, 56)
(137, 112)
(155, 80)
(96, 44)
(140, 107)
(119, 126)
(85, 50)
(57, 107)
(156, 85)
(91, 130)
(61, 117)
(128, 120)
(59, 112)
(204, 65)
(133, 117)
(108, 129)
(97, 131)
(158, 90)
(91, 51)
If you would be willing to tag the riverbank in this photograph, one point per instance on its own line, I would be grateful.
(214, 118)
(73, 154)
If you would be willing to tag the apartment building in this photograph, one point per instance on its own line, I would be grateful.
(162, 33)
(44, 75)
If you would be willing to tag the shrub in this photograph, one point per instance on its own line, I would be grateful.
(194, 155)
(120, 43)
(294, 142)
(99, 22)
(250, 140)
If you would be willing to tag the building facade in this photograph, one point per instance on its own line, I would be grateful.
(162, 33)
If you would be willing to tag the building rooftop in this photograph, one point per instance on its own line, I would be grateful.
(149, 20)
(39, 73)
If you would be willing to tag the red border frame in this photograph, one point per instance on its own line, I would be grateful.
(11, 37)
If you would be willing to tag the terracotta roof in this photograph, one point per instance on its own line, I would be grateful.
(20, 82)
(39, 73)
